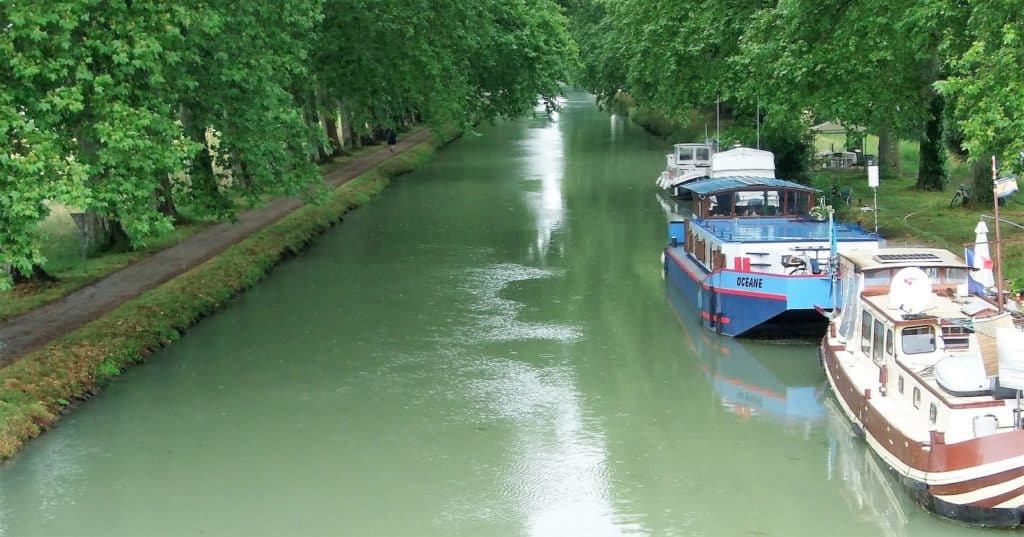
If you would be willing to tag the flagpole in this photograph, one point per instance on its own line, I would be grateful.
(999, 242)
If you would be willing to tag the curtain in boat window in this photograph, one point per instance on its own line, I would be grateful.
(850, 304)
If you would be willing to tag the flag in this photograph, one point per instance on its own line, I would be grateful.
(980, 278)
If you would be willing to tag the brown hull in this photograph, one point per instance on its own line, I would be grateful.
(938, 458)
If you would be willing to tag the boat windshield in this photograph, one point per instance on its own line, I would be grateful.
(684, 153)
(937, 275)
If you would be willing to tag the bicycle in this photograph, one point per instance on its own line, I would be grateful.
(960, 197)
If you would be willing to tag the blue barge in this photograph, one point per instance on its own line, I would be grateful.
(754, 262)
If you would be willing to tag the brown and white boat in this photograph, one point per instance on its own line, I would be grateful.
(931, 376)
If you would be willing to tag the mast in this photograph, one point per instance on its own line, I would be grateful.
(999, 242)
(758, 121)
(718, 135)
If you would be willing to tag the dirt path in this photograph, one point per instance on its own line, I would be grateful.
(24, 333)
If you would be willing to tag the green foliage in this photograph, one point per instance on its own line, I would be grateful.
(128, 108)
(987, 82)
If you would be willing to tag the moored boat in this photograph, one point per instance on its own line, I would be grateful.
(695, 162)
(686, 162)
(930, 375)
(753, 261)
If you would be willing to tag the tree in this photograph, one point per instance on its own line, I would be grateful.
(986, 84)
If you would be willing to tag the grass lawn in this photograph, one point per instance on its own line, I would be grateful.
(911, 217)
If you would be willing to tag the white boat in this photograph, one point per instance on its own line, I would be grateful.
(693, 162)
(931, 376)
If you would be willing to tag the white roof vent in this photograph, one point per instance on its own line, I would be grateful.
(910, 291)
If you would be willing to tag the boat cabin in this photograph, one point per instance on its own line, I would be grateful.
(932, 344)
(692, 155)
(743, 197)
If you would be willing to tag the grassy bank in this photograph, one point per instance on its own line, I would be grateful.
(908, 216)
(74, 268)
(36, 390)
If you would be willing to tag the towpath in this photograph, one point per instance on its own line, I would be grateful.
(24, 333)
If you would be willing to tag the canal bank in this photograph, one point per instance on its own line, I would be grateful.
(44, 383)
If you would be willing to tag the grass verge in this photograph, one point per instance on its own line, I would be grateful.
(908, 216)
(37, 389)
(74, 270)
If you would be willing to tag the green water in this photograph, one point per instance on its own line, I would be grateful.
(486, 350)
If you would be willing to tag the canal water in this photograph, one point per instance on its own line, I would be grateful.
(486, 350)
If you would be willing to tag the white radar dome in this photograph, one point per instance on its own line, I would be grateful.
(910, 291)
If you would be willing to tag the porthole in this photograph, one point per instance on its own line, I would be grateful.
(933, 412)
(917, 397)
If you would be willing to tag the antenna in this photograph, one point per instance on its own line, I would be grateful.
(758, 120)
(718, 135)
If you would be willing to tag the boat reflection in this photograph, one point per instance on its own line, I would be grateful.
(776, 380)
(867, 487)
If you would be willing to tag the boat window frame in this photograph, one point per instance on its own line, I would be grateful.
(903, 342)
(865, 332)
(933, 413)
(917, 397)
(888, 340)
(899, 385)
(877, 338)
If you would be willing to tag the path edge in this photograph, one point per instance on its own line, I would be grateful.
(45, 384)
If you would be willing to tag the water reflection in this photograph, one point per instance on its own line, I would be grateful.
(497, 317)
(754, 378)
(544, 162)
(867, 488)
(555, 474)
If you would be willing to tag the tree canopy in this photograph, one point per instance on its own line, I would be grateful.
(888, 66)
(130, 109)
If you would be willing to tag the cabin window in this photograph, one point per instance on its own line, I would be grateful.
(918, 339)
(946, 274)
(702, 154)
(865, 333)
(917, 397)
(798, 202)
(877, 277)
(876, 347)
(720, 204)
(956, 337)
(899, 385)
(888, 342)
(933, 412)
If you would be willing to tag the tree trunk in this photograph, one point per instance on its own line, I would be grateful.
(206, 195)
(165, 198)
(119, 240)
(981, 183)
(331, 126)
(94, 230)
(931, 171)
(346, 129)
(889, 164)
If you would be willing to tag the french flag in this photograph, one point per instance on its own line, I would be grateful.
(981, 278)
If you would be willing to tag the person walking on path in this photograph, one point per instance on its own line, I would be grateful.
(392, 140)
